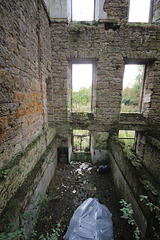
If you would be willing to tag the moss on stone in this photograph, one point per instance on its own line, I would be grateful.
(81, 156)
(13, 207)
(23, 153)
(80, 26)
(155, 142)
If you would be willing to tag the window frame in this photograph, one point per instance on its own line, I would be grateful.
(84, 61)
(130, 138)
(141, 93)
(81, 136)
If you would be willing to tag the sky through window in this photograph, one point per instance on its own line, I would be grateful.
(139, 11)
(82, 10)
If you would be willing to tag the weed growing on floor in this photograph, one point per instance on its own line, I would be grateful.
(19, 234)
(54, 235)
(128, 214)
(4, 173)
(151, 207)
(154, 209)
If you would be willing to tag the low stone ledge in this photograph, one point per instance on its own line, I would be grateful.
(19, 168)
(30, 191)
(133, 180)
(132, 117)
(155, 142)
(82, 119)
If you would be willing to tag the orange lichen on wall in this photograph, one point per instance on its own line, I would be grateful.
(3, 127)
(38, 106)
(3, 124)
(34, 104)
(19, 96)
(32, 96)
(29, 106)
(35, 107)
(21, 113)
(37, 96)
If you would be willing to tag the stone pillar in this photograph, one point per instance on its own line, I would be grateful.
(156, 10)
(99, 146)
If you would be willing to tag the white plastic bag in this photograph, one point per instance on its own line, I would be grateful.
(90, 221)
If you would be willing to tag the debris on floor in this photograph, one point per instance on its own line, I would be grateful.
(68, 190)
(84, 167)
(104, 169)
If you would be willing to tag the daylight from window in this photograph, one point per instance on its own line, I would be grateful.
(81, 141)
(81, 87)
(132, 79)
(82, 10)
(127, 136)
(139, 11)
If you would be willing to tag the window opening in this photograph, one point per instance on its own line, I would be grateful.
(128, 137)
(131, 93)
(81, 87)
(81, 141)
(82, 10)
(139, 11)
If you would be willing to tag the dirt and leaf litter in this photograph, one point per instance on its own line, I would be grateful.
(71, 185)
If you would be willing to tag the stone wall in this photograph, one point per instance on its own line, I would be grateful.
(133, 180)
(99, 145)
(151, 157)
(25, 99)
(120, 10)
(25, 65)
(111, 48)
(156, 10)
(116, 11)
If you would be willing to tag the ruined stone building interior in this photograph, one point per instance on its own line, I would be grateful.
(40, 42)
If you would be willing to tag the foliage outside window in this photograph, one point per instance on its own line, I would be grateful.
(127, 136)
(81, 87)
(133, 76)
(81, 100)
(81, 141)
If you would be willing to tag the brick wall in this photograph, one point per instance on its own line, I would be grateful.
(156, 10)
(151, 158)
(25, 69)
(116, 10)
(111, 49)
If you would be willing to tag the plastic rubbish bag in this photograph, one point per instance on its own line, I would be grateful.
(104, 169)
(91, 220)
